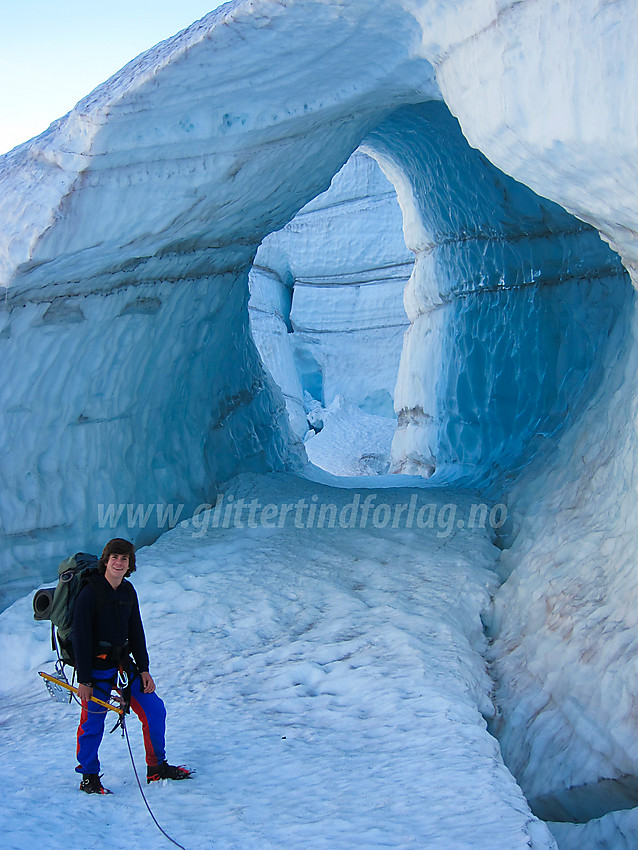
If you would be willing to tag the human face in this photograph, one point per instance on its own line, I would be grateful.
(116, 569)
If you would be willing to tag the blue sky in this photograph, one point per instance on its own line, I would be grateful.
(53, 53)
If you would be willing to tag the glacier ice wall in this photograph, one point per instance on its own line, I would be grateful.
(326, 302)
(565, 627)
(544, 90)
(510, 302)
(115, 401)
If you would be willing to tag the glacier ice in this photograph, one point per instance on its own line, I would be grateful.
(328, 287)
(510, 300)
(144, 189)
(129, 229)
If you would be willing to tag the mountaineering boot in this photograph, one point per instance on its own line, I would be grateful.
(167, 771)
(91, 784)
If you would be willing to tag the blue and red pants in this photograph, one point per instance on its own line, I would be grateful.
(148, 707)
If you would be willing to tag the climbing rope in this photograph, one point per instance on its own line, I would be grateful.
(122, 723)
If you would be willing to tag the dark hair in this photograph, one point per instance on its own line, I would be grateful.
(118, 546)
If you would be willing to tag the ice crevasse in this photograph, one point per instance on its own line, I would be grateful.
(129, 229)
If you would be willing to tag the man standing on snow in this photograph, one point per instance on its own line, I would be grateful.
(107, 628)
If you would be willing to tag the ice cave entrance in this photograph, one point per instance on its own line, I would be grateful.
(327, 315)
(426, 281)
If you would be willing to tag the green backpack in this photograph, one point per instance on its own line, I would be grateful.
(58, 604)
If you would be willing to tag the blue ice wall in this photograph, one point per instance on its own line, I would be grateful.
(521, 297)
(155, 396)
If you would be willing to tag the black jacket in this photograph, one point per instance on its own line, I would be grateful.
(107, 622)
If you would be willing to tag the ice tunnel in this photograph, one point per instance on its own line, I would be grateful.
(131, 379)
(511, 301)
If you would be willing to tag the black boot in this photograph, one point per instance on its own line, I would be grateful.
(167, 771)
(91, 784)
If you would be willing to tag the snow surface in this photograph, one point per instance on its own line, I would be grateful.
(350, 442)
(327, 684)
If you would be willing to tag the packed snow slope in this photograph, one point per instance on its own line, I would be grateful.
(323, 676)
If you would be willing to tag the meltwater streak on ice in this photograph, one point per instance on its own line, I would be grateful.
(327, 684)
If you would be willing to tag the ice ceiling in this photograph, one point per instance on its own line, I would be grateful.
(129, 376)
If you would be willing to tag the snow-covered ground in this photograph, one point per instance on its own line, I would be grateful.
(351, 441)
(323, 674)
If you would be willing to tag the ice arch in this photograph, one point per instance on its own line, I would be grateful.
(511, 299)
(130, 227)
(125, 249)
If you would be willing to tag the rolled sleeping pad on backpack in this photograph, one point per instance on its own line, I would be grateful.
(42, 602)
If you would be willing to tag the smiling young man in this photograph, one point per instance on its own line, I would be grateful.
(107, 630)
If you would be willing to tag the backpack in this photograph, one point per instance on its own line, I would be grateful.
(58, 604)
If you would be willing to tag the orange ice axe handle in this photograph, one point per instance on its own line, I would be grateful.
(66, 685)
